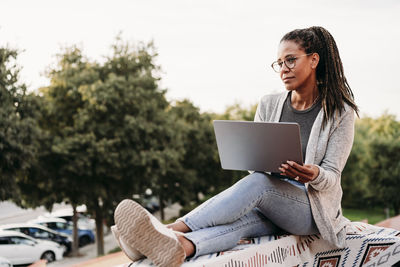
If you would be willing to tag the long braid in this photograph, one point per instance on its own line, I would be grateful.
(332, 84)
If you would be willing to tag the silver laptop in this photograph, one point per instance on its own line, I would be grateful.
(257, 146)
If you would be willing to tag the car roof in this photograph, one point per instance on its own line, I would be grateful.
(59, 213)
(15, 233)
(33, 225)
(44, 219)
(67, 211)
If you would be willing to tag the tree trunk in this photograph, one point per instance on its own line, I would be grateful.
(396, 209)
(99, 230)
(387, 212)
(75, 238)
(161, 200)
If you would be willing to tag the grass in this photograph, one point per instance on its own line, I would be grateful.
(372, 215)
(116, 249)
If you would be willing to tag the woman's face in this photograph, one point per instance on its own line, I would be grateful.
(302, 75)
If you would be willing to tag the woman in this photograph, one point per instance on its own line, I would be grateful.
(301, 200)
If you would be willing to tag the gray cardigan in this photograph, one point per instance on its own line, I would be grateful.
(329, 149)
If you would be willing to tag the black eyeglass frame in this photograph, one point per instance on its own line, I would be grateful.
(295, 58)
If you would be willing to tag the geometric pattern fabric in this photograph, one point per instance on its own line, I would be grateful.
(367, 245)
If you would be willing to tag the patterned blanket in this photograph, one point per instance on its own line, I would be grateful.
(367, 245)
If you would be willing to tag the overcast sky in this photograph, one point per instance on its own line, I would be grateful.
(213, 52)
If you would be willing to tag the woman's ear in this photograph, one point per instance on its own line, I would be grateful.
(314, 60)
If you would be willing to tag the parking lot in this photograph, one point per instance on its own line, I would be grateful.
(10, 213)
(87, 252)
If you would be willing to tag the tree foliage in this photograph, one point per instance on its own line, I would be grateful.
(106, 133)
(199, 160)
(18, 129)
(356, 176)
(238, 112)
(372, 173)
(385, 164)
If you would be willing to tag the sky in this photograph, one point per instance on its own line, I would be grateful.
(213, 52)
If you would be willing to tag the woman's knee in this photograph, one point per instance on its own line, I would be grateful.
(257, 179)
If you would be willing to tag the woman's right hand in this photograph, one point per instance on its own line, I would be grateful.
(302, 173)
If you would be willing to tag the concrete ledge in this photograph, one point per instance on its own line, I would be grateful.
(113, 259)
(41, 263)
(393, 223)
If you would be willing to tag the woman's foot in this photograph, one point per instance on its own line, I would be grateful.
(140, 230)
(130, 252)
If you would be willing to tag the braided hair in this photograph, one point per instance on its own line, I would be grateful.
(332, 84)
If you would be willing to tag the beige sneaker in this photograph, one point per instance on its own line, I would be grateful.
(141, 230)
(130, 252)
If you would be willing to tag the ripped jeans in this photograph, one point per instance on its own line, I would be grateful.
(257, 205)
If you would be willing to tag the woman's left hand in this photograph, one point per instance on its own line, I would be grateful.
(301, 173)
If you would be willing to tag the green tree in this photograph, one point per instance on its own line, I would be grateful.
(199, 159)
(357, 191)
(238, 112)
(53, 178)
(385, 166)
(108, 131)
(371, 175)
(17, 126)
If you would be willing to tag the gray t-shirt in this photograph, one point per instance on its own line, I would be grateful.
(305, 118)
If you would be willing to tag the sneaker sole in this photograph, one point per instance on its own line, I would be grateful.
(136, 254)
(137, 230)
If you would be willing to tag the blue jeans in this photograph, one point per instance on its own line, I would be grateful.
(257, 205)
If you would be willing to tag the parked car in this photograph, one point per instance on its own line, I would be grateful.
(19, 248)
(5, 263)
(62, 226)
(151, 203)
(84, 222)
(38, 231)
(148, 200)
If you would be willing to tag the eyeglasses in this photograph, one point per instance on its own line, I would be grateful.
(290, 63)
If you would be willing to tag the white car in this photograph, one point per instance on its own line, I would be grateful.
(61, 225)
(19, 248)
(5, 263)
(84, 222)
(38, 231)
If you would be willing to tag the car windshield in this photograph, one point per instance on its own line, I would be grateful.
(58, 225)
(39, 233)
